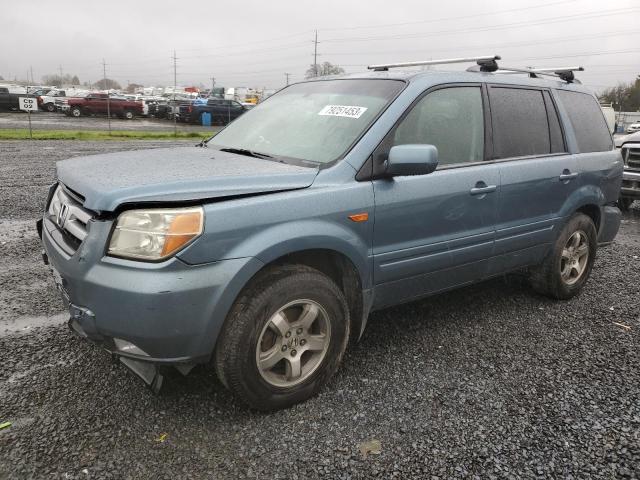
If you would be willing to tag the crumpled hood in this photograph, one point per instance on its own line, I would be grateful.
(175, 174)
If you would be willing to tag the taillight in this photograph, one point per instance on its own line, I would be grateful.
(189, 108)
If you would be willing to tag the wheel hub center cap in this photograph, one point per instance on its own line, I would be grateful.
(293, 342)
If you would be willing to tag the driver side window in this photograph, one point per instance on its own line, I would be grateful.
(452, 120)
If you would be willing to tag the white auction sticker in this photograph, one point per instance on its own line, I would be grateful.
(343, 111)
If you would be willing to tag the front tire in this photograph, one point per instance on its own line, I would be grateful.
(50, 107)
(76, 112)
(568, 265)
(284, 337)
(128, 115)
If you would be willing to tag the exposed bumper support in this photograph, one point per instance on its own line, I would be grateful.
(630, 184)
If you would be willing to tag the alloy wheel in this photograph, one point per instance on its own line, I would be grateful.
(293, 343)
(575, 257)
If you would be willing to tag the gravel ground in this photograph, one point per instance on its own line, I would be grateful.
(59, 121)
(490, 381)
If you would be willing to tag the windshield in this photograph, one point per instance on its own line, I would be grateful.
(314, 121)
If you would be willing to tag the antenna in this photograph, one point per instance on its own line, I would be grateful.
(486, 63)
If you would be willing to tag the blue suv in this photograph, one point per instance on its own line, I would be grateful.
(263, 251)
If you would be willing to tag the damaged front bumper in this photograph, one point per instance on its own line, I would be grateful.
(147, 315)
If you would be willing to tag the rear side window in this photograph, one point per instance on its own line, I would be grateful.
(555, 131)
(587, 120)
(520, 125)
(452, 120)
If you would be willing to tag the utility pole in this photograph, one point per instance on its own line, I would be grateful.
(315, 55)
(32, 80)
(287, 75)
(175, 83)
(213, 84)
(60, 75)
(104, 76)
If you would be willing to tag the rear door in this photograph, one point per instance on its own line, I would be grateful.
(537, 174)
(434, 232)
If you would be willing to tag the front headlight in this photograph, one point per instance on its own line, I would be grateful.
(155, 234)
(54, 206)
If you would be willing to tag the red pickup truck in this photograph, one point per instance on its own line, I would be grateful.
(96, 104)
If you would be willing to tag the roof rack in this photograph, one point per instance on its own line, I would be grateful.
(485, 63)
(564, 73)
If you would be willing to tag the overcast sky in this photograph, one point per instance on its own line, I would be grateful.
(254, 42)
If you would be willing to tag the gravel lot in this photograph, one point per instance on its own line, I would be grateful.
(490, 381)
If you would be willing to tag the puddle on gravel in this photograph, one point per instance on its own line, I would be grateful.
(28, 323)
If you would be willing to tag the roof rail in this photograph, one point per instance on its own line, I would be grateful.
(564, 73)
(485, 63)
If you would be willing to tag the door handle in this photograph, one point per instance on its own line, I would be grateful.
(481, 188)
(566, 175)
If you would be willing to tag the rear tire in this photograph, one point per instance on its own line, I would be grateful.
(284, 338)
(50, 107)
(568, 265)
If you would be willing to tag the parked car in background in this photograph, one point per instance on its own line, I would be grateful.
(9, 98)
(262, 253)
(633, 128)
(50, 100)
(96, 104)
(222, 111)
(630, 148)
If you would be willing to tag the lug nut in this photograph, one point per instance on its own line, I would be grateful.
(288, 334)
(302, 342)
(293, 353)
(284, 348)
(299, 331)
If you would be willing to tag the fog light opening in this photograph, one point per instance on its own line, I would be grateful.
(128, 347)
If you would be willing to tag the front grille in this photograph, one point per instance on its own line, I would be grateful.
(66, 212)
(631, 157)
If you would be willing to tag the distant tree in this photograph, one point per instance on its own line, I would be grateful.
(132, 87)
(58, 81)
(1, 77)
(107, 84)
(322, 69)
(624, 96)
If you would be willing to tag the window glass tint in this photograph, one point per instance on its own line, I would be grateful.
(587, 120)
(449, 118)
(555, 131)
(520, 125)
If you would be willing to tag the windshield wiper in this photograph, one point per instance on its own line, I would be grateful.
(244, 151)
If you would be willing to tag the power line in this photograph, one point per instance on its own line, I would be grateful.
(261, 42)
(545, 21)
(588, 54)
(444, 19)
(496, 45)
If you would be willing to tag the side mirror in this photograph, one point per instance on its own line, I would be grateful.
(407, 160)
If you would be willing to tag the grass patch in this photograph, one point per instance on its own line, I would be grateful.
(23, 134)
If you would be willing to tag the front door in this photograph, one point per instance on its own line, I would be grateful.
(436, 231)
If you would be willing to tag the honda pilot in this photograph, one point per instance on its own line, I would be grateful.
(262, 251)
